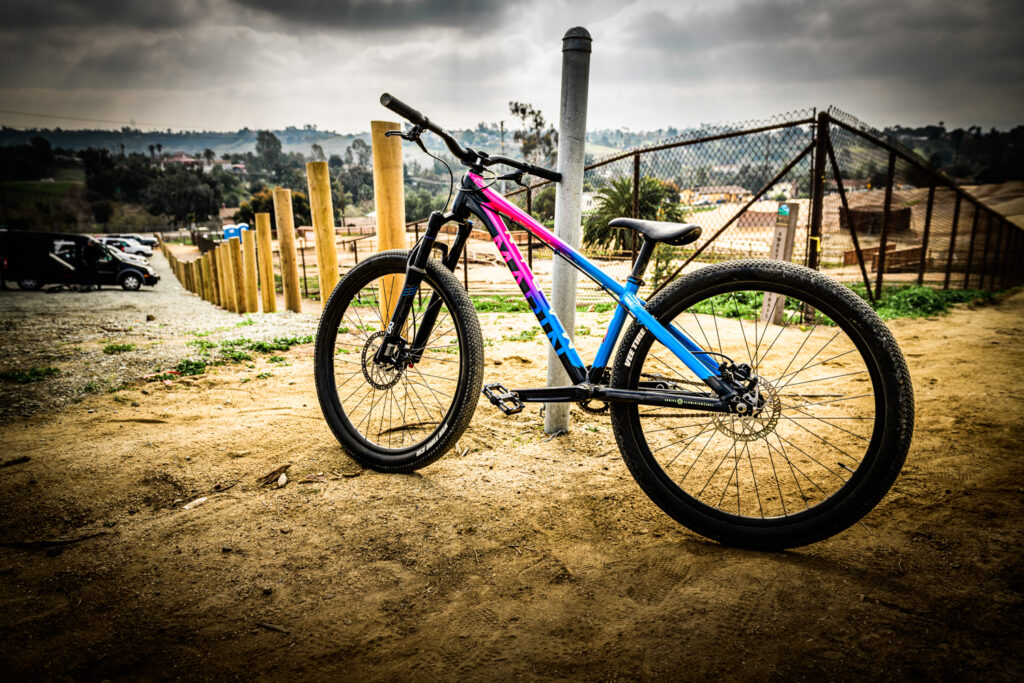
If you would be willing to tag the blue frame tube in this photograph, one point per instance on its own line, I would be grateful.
(671, 337)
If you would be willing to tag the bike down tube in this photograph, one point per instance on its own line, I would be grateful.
(677, 342)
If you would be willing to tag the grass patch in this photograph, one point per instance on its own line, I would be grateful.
(111, 349)
(526, 335)
(33, 374)
(230, 352)
(498, 304)
(264, 375)
(914, 301)
(190, 367)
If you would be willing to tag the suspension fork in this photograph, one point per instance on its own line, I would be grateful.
(415, 270)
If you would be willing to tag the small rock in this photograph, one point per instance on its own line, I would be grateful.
(145, 393)
(195, 503)
(225, 550)
(282, 480)
(135, 404)
(91, 410)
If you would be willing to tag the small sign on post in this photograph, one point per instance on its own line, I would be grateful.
(781, 250)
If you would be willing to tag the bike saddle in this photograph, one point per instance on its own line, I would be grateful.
(676, 234)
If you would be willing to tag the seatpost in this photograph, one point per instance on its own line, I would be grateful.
(643, 257)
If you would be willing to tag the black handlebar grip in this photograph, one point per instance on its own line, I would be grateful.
(544, 173)
(402, 109)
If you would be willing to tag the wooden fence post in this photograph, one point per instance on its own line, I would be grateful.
(249, 270)
(224, 268)
(286, 244)
(235, 275)
(265, 256)
(322, 211)
(389, 200)
(214, 281)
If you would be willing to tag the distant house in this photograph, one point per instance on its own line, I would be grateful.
(225, 165)
(182, 159)
(714, 194)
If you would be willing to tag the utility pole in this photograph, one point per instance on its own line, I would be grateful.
(572, 134)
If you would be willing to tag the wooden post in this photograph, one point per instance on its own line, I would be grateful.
(249, 270)
(774, 305)
(207, 262)
(224, 266)
(214, 277)
(389, 200)
(286, 244)
(322, 211)
(234, 278)
(266, 263)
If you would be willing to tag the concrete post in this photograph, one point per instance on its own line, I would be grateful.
(572, 134)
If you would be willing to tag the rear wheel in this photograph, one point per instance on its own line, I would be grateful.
(404, 416)
(836, 423)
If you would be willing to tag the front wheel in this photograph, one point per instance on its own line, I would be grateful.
(837, 416)
(131, 282)
(403, 416)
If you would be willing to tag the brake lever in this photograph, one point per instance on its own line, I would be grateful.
(516, 177)
(412, 136)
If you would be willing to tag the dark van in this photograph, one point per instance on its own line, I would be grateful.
(34, 259)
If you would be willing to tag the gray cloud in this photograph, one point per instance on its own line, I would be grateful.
(388, 14)
(655, 62)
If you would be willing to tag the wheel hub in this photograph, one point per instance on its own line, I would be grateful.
(757, 424)
(379, 376)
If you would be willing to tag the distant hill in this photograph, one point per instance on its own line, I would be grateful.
(192, 142)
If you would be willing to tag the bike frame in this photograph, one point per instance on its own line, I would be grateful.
(476, 197)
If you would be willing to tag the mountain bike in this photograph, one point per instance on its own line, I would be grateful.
(757, 402)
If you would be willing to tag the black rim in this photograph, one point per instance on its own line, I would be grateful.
(393, 411)
(763, 470)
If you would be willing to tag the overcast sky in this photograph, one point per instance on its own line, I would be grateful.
(225, 64)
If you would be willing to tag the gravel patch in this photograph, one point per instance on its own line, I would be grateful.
(69, 331)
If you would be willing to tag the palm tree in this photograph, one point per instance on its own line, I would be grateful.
(657, 200)
(152, 151)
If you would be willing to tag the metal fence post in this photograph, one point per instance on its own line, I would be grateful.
(636, 205)
(886, 213)
(952, 241)
(817, 190)
(576, 46)
(927, 230)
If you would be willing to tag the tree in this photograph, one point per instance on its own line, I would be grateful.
(358, 153)
(183, 194)
(543, 204)
(537, 142)
(263, 202)
(658, 201)
(268, 149)
(209, 155)
(318, 153)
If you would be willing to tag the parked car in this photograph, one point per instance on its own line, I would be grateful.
(34, 259)
(147, 241)
(127, 245)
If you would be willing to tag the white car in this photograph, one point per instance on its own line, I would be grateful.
(127, 245)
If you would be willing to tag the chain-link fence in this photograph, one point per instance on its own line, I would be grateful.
(909, 223)
(869, 209)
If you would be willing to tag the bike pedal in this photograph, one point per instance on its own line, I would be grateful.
(506, 401)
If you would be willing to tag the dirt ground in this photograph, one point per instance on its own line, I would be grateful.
(514, 556)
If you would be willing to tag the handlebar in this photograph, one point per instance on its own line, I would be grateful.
(466, 156)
